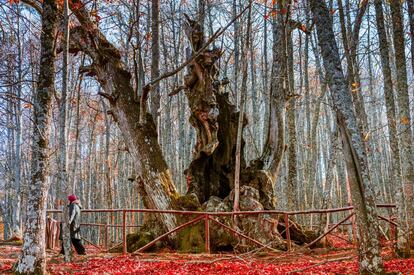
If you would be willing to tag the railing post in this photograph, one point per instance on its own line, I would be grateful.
(207, 234)
(124, 240)
(393, 230)
(106, 236)
(354, 230)
(287, 229)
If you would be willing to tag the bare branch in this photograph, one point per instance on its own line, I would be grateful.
(194, 56)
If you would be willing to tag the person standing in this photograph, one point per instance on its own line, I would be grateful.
(74, 225)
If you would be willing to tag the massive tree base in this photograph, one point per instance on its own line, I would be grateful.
(267, 229)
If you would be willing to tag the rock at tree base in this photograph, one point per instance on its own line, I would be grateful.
(267, 229)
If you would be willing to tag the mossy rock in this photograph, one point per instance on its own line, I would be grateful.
(188, 202)
(220, 238)
(148, 232)
(191, 239)
(137, 240)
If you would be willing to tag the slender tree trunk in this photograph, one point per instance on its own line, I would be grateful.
(77, 133)
(32, 259)
(155, 58)
(291, 116)
(254, 100)
(410, 6)
(404, 120)
(350, 39)
(62, 159)
(18, 142)
(357, 165)
(326, 197)
(392, 125)
(308, 155)
(236, 49)
(265, 77)
(240, 127)
(313, 129)
(274, 148)
(10, 155)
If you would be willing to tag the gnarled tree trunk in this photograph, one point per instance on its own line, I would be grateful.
(154, 177)
(215, 119)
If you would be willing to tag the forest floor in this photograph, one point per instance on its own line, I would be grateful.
(340, 259)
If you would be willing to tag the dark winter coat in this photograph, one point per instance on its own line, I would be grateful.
(74, 219)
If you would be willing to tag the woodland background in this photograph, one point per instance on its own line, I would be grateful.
(99, 168)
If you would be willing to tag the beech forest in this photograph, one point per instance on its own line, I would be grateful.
(206, 137)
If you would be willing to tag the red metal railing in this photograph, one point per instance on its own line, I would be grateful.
(209, 216)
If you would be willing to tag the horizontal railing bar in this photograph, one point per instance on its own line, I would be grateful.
(109, 225)
(183, 212)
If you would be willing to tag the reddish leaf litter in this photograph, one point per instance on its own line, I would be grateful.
(8, 256)
(339, 260)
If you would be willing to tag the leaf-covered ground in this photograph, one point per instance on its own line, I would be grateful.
(339, 260)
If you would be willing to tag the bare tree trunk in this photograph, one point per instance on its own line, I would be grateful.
(350, 39)
(326, 197)
(274, 148)
(392, 125)
(313, 129)
(17, 164)
(265, 77)
(291, 116)
(33, 258)
(155, 58)
(236, 49)
(404, 120)
(240, 127)
(77, 133)
(62, 159)
(308, 155)
(110, 190)
(410, 6)
(357, 165)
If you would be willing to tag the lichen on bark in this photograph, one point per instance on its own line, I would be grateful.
(32, 259)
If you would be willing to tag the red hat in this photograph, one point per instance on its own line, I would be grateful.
(72, 198)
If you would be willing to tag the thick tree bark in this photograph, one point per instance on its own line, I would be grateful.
(155, 179)
(211, 173)
(357, 165)
(33, 258)
(404, 119)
